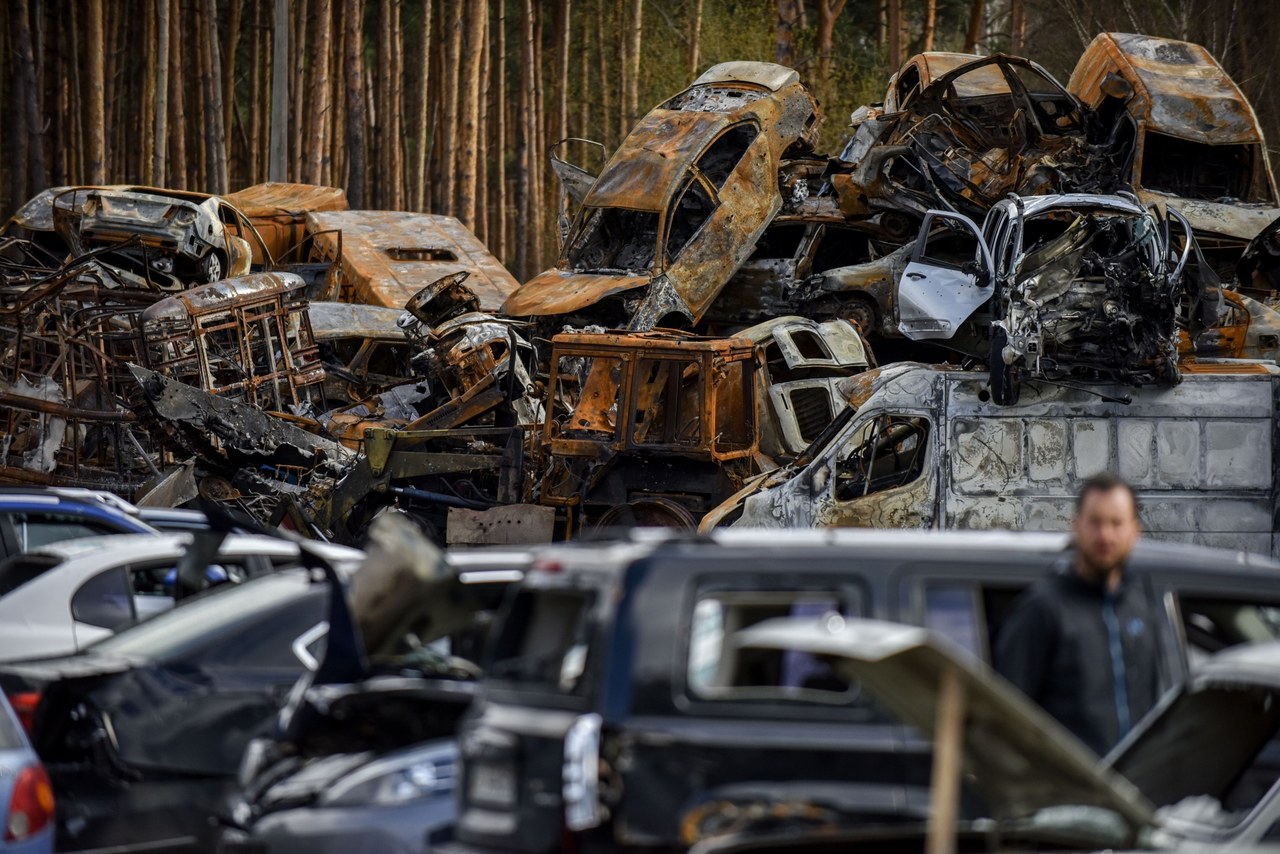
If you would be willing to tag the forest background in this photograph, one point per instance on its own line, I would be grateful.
(449, 106)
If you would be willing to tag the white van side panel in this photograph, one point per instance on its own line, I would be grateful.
(1200, 455)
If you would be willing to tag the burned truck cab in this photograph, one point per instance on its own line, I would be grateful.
(646, 428)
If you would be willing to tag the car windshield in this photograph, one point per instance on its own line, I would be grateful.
(614, 240)
(169, 635)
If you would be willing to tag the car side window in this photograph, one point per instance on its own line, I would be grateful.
(33, 530)
(690, 212)
(1211, 624)
(723, 155)
(889, 451)
(950, 247)
(718, 669)
(105, 600)
(970, 614)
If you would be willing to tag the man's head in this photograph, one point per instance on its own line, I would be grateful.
(1106, 526)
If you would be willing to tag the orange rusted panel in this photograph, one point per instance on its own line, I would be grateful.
(388, 256)
(279, 211)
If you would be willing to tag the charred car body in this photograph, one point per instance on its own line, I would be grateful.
(1184, 135)
(680, 204)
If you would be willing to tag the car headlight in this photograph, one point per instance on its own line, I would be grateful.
(397, 779)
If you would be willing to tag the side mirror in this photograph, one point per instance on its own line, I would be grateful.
(1115, 86)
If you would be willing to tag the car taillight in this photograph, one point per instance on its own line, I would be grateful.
(31, 806)
(24, 706)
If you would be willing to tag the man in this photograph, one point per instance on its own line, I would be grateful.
(1081, 643)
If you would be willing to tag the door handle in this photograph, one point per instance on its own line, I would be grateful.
(915, 275)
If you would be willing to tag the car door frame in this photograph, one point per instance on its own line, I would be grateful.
(926, 287)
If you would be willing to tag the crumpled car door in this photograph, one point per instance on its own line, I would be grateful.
(941, 288)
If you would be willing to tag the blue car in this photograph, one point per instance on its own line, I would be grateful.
(31, 518)
(26, 796)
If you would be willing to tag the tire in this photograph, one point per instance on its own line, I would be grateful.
(863, 313)
(212, 267)
(1003, 381)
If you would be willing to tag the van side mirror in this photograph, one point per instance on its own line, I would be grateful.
(1115, 86)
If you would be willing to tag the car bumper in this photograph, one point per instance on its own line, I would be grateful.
(408, 829)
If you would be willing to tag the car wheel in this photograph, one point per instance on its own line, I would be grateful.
(863, 313)
(212, 267)
(1004, 383)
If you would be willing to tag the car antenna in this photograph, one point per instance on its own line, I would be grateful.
(1109, 398)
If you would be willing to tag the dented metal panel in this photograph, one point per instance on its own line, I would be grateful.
(388, 256)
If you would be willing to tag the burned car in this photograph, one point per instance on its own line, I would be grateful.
(680, 204)
(1183, 133)
(964, 140)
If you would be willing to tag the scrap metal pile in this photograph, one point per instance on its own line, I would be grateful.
(717, 278)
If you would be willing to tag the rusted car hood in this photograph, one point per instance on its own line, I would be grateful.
(275, 197)
(1242, 221)
(388, 256)
(1022, 759)
(560, 291)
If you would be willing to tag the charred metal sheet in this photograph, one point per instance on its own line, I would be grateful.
(388, 256)
(332, 321)
(512, 524)
(218, 430)
(680, 204)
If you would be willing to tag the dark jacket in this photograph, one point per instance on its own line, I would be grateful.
(1089, 657)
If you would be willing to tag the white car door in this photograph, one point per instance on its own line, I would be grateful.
(947, 279)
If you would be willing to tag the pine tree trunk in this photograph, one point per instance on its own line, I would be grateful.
(501, 103)
(634, 29)
(25, 84)
(895, 34)
(695, 37)
(229, 72)
(524, 194)
(976, 12)
(1017, 26)
(316, 155)
(396, 100)
(784, 52)
(930, 24)
(177, 172)
(354, 75)
(253, 159)
(473, 54)
(298, 96)
(828, 13)
(216, 140)
(482, 134)
(420, 195)
(449, 130)
(95, 116)
(147, 103)
(606, 81)
(564, 9)
(161, 68)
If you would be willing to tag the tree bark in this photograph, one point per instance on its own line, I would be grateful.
(524, 194)
(784, 51)
(278, 144)
(298, 101)
(695, 38)
(895, 34)
(420, 195)
(501, 103)
(976, 12)
(634, 30)
(473, 54)
(606, 81)
(253, 160)
(161, 127)
(96, 162)
(316, 155)
(1017, 26)
(31, 126)
(564, 9)
(229, 72)
(828, 13)
(216, 134)
(482, 135)
(449, 135)
(178, 174)
(930, 24)
(354, 19)
(395, 97)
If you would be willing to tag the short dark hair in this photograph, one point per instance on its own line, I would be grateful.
(1106, 482)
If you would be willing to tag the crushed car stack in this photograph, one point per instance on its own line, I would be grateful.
(717, 280)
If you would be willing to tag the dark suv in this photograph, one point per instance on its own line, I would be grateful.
(616, 710)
